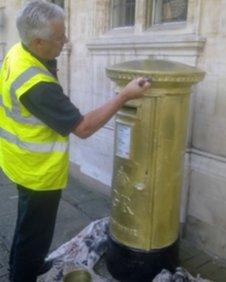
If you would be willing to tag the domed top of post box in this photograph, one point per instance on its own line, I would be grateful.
(156, 70)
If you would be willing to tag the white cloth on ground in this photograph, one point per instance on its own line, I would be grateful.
(84, 251)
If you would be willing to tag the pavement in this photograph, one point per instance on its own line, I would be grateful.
(82, 202)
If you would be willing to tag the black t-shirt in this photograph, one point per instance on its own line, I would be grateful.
(47, 102)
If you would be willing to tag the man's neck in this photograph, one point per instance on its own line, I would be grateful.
(51, 65)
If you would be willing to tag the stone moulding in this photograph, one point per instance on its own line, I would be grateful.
(185, 45)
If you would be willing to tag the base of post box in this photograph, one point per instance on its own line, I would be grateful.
(132, 265)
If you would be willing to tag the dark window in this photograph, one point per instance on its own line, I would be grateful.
(167, 11)
(58, 2)
(122, 13)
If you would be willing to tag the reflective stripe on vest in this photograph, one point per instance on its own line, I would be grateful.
(15, 112)
(45, 147)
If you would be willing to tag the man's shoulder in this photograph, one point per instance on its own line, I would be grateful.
(14, 48)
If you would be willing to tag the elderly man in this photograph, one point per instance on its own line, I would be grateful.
(36, 119)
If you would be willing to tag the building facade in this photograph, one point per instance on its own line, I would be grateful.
(105, 32)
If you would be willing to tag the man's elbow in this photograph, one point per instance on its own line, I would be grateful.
(82, 133)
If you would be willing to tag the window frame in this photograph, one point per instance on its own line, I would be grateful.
(111, 8)
(62, 6)
(152, 19)
(144, 20)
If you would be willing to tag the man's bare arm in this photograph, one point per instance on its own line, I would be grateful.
(95, 119)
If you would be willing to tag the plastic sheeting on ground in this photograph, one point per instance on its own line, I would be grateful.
(84, 251)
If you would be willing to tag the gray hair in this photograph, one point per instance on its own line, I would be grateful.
(33, 21)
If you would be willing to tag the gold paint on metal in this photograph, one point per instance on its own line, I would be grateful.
(78, 275)
(150, 143)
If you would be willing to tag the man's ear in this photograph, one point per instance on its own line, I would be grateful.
(37, 42)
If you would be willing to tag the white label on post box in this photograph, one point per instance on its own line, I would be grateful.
(123, 140)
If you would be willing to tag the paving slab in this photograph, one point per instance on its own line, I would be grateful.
(70, 221)
(219, 275)
(3, 259)
(4, 278)
(7, 225)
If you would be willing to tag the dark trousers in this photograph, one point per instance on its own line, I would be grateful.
(33, 233)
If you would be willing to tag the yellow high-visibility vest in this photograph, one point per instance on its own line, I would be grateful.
(31, 154)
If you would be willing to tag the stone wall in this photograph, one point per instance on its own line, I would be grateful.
(90, 88)
(207, 204)
(8, 33)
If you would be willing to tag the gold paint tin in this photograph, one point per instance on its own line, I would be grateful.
(78, 275)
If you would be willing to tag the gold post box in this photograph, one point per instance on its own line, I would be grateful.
(150, 141)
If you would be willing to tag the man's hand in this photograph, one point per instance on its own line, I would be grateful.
(136, 88)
